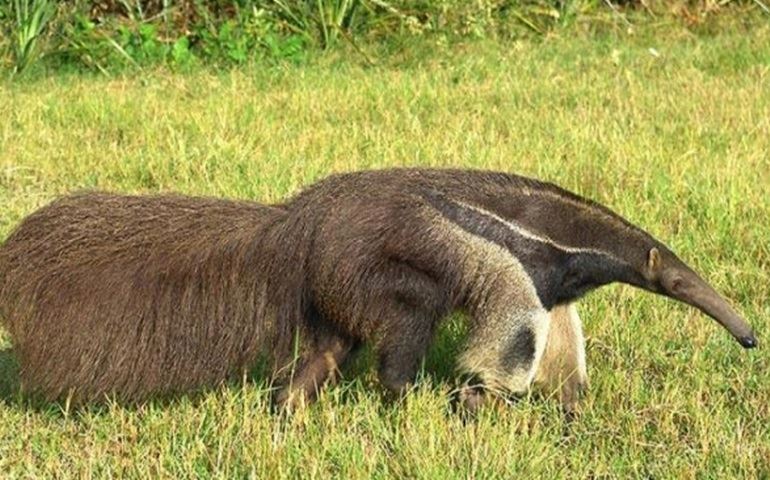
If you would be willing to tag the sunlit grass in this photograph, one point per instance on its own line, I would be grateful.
(677, 141)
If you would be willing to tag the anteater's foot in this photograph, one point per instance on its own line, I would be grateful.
(469, 400)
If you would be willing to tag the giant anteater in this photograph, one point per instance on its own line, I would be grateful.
(131, 296)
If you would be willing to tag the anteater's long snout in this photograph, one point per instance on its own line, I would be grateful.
(691, 289)
(715, 306)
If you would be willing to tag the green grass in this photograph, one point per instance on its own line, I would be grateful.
(677, 142)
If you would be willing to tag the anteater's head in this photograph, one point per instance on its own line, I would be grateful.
(667, 275)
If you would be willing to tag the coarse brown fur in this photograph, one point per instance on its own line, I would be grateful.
(141, 295)
(137, 295)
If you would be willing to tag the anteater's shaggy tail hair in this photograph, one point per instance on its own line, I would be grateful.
(141, 295)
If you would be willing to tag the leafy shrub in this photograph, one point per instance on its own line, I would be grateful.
(250, 33)
(112, 34)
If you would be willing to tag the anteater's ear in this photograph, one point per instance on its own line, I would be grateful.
(654, 261)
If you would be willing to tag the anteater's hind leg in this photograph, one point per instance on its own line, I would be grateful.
(408, 312)
(562, 369)
(401, 348)
(319, 366)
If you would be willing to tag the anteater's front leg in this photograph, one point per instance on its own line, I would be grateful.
(509, 325)
(562, 369)
(504, 354)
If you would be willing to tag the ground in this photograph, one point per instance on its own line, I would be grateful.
(672, 131)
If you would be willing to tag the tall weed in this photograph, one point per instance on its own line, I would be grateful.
(29, 21)
(319, 21)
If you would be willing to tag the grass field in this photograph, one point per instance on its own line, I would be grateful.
(677, 139)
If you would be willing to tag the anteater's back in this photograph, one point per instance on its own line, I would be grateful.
(135, 295)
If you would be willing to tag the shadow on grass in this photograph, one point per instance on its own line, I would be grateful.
(9, 376)
(439, 366)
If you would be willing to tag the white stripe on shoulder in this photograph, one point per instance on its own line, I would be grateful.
(532, 235)
(594, 209)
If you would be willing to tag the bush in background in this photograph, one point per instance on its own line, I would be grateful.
(109, 35)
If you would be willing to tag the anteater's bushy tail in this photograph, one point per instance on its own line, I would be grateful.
(136, 295)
